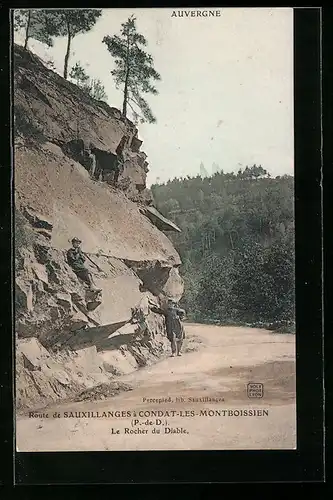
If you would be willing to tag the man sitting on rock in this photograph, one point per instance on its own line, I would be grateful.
(174, 327)
(76, 259)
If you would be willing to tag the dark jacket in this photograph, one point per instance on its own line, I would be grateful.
(76, 259)
(173, 322)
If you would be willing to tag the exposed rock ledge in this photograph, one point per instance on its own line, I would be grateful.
(63, 346)
(50, 108)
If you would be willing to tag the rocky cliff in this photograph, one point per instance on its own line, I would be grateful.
(66, 341)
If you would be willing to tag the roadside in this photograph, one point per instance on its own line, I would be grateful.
(208, 400)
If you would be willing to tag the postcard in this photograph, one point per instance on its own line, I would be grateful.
(153, 155)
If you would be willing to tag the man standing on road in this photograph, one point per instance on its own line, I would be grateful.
(76, 260)
(174, 327)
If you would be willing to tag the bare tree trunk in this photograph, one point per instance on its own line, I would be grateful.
(125, 96)
(69, 39)
(126, 80)
(231, 241)
(27, 30)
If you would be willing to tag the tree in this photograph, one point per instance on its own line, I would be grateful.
(50, 64)
(134, 70)
(22, 19)
(79, 75)
(236, 245)
(93, 87)
(44, 25)
(171, 205)
(37, 24)
(72, 22)
(96, 90)
(253, 172)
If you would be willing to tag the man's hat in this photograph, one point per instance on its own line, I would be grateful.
(76, 240)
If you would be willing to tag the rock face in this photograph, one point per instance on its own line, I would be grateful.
(49, 108)
(67, 340)
(159, 220)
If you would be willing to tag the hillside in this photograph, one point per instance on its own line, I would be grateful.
(236, 244)
(64, 342)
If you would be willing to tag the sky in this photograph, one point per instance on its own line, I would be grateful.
(226, 93)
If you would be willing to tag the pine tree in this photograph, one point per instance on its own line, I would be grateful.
(71, 22)
(93, 86)
(22, 19)
(79, 75)
(44, 25)
(96, 90)
(37, 24)
(134, 70)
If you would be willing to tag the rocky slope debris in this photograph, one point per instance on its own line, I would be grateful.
(103, 391)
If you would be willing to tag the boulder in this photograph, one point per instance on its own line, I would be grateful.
(159, 220)
(64, 300)
(174, 287)
(136, 144)
(78, 320)
(23, 295)
(37, 220)
(40, 272)
(33, 354)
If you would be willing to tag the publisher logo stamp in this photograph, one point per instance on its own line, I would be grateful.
(255, 390)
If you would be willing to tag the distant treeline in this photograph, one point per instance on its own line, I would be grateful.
(236, 245)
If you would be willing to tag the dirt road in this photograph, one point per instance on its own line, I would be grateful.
(197, 401)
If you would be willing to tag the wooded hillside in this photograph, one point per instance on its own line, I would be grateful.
(236, 244)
